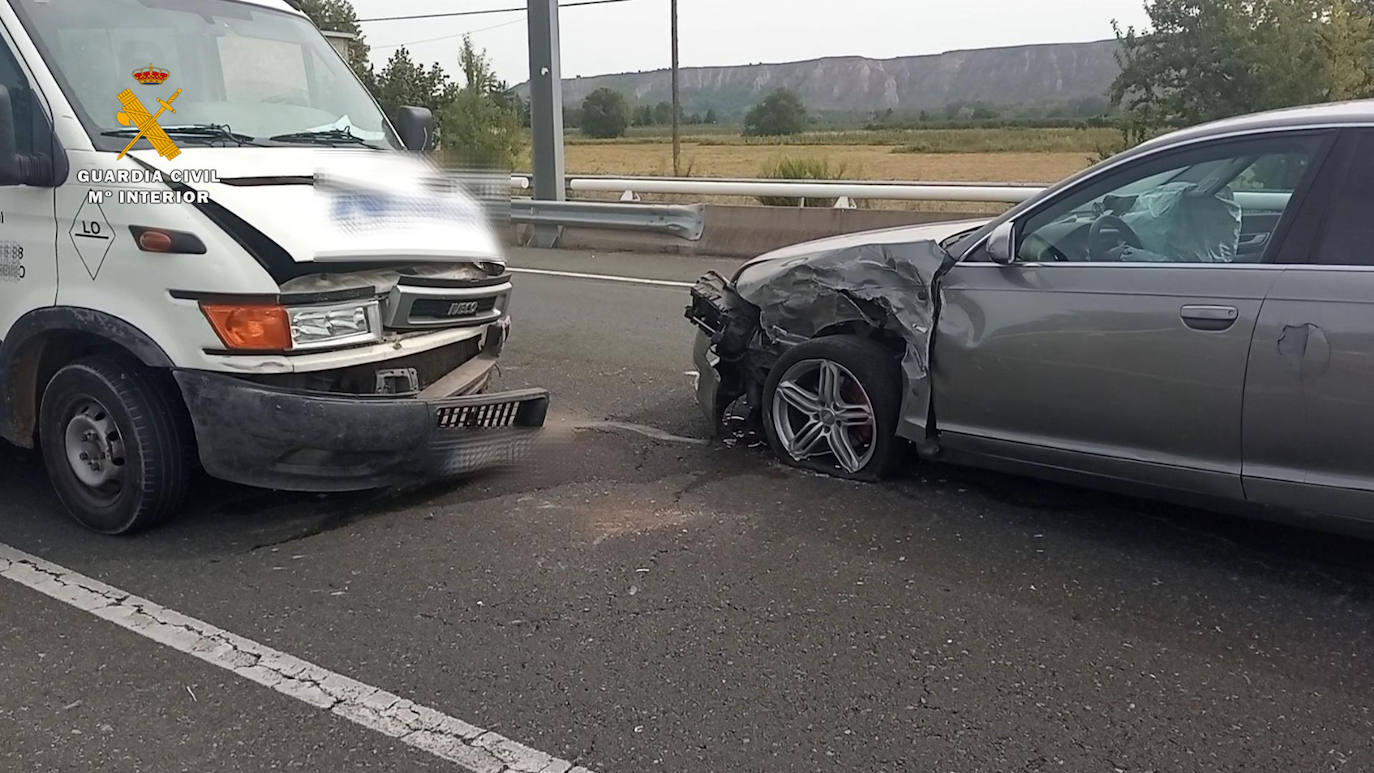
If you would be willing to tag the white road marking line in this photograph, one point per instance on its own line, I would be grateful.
(602, 277)
(469, 746)
(646, 431)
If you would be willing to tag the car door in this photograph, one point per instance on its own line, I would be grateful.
(1309, 397)
(1115, 344)
(28, 230)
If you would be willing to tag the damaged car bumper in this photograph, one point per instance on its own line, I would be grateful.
(727, 333)
(708, 378)
(289, 439)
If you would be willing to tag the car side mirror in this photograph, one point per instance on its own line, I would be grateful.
(416, 127)
(1000, 244)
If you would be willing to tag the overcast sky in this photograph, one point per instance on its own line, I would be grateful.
(634, 35)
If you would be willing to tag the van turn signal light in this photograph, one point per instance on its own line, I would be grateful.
(251, 327)
(167, 241)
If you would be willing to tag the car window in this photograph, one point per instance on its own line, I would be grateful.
(1219, 204)
(1347, 238)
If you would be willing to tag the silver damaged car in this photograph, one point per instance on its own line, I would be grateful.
(1192, 319)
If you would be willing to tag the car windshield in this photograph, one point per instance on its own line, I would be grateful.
(236, 67)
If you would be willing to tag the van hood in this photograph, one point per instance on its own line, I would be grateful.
(334, 205)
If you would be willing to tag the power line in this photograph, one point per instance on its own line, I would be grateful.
(483, 12)
(385, 46)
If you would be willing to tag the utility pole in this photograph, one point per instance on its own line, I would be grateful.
(546, 111)
(677, 112)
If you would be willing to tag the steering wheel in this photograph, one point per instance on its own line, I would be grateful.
(1112, 224)
(1057, 255)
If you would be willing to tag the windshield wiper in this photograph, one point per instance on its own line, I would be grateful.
(323, 137)
(206, 131)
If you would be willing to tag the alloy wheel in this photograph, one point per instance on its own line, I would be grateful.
(821, 409)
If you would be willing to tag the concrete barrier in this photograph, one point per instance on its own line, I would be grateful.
(746, 231)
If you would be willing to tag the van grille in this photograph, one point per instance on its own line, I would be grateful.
(439, 308)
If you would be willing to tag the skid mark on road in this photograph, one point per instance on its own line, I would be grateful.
(468, 746)
(600, 277)
(645, 430)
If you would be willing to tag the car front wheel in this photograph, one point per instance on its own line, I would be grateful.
(832, 405)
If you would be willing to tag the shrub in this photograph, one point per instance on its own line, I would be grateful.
(780, 113)
(790, 168)
(605, 114)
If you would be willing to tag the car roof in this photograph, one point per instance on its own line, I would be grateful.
(1353, 113)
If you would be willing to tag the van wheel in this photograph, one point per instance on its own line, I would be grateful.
(832, 404)
(117, 444)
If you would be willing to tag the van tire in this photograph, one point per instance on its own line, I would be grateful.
(117, 443)
(869, 374)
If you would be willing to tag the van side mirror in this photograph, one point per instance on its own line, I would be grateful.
(416, 127)
(1000, 244)
(20, 168)
(9, 153)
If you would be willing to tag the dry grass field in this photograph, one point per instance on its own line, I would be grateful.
(859, 162)
(1017, 155)
(976, 155)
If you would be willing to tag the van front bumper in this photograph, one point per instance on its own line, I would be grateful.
(295, 440)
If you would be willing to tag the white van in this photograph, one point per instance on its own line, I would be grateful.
(214, 251)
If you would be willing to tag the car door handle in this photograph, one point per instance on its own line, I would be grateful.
(1209, 318)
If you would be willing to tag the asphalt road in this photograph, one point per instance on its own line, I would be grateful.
(642, 603)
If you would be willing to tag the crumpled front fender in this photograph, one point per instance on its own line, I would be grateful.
(773, 306)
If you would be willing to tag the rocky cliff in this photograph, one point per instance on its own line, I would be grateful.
(1036, 75)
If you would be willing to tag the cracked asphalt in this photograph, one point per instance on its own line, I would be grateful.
(634, 603)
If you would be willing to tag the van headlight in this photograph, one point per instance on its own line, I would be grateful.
(344, 324)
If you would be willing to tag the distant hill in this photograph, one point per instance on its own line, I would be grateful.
(1056, 74)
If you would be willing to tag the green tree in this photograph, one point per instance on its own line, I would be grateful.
(478, 75)
(711, 115)
(1208, 59)
(339, 16)
(780, 113)
(1349, 42)
(481, 123)
(644, 115)
(404, 82)
(605, 114)
(663, 113)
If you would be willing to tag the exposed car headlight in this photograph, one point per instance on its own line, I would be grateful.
(316, 327)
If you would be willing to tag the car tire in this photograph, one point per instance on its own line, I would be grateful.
(823, 429)
(117, 443)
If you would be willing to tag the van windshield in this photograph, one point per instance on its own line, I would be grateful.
(246, 73)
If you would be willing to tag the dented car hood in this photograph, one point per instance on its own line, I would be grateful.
(937, 232)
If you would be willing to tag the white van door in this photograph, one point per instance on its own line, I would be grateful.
(28, 225)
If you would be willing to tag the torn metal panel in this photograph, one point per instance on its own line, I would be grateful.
(887, 287)
(382, 280)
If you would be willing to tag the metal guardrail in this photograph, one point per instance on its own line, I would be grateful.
(845, 192)
(686, 222)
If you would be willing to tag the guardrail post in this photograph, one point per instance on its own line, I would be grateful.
(546, 111)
